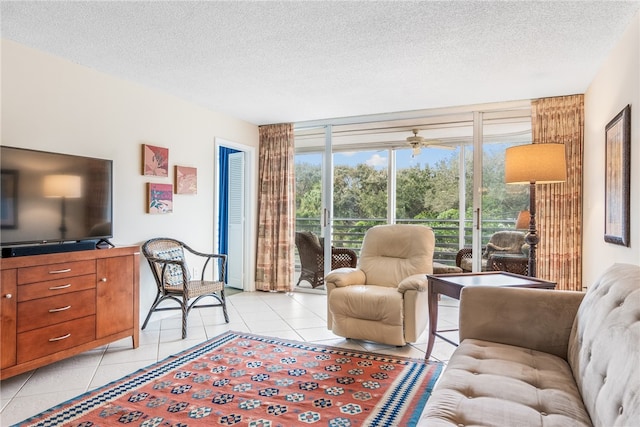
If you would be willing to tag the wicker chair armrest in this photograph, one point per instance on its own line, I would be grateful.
(209, 257)
(206, 255)
(343, 257)
(463, 253)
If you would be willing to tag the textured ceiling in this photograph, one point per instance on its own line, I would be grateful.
(269, 62)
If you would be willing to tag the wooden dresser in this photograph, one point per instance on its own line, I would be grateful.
(58, 305)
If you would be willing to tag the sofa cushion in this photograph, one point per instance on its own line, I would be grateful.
(490, 384)
(604, 347)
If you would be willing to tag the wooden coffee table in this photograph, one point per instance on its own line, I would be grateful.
(451, 285)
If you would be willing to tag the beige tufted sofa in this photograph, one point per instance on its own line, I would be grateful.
(545, 358)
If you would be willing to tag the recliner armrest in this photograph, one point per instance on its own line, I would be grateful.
(537, 319)
(417, 282)
(346, 276)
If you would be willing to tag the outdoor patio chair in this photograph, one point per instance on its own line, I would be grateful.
(311, 251)
(508, 245)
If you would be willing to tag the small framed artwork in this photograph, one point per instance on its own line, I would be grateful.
(160, 198)
(186, 180)
(9, 199)
(155, 160)
(618, 178)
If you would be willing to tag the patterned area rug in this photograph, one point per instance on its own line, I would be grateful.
(248, 380)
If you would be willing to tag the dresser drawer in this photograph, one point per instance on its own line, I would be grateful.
(56, 287)
(49, 311)
(46, 272)
(52, 339)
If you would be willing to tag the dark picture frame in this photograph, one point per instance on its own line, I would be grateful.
(618, 178)
(9, 199)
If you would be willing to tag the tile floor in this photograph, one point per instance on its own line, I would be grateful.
(296, 316)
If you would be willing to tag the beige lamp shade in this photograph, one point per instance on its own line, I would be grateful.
(68, 186)
(539, 163)
(522, 222)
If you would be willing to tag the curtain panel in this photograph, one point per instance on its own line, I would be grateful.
(276, 209)
(559, 206)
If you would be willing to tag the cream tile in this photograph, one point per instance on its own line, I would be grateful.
(316, 334)
(88, 359)
(23, 407)
(108, 373)
(122, 355)
(3, 404)
(306, 322)
(215, 330)
(260, 316)
(174, 347)
(149, 336)
(10, 386)
(54, 379)
(269, 327)
(174, 334)
(290, 335)
(123, 343)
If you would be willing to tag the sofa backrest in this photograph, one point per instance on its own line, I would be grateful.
(393, 252)
(604, 347)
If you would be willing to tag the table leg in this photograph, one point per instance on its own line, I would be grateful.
(433, 320)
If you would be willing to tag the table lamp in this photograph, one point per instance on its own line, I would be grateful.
(534, 164)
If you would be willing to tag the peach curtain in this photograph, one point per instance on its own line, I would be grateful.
(276, 209)
(559, 206)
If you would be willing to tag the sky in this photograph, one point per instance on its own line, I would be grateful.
(379, 158)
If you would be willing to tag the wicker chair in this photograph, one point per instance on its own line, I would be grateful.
(311, 251)
(506, 251)
(168, 264)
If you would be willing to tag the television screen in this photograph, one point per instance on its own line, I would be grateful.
(51, 197)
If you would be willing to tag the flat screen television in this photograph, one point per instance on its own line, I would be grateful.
(56, 198)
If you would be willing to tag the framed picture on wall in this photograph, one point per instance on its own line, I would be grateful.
(618, 178)
(186, 180)
(155, 160)
(160, 198)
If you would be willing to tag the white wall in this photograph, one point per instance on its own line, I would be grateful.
(51, 104)
(616, 85)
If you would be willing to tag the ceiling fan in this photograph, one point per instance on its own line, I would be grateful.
(416, 142)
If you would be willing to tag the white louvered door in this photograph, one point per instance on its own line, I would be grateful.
(236, 217)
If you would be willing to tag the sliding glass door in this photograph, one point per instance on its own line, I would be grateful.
(443, 169)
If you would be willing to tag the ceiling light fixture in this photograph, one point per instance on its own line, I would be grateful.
(415, 142)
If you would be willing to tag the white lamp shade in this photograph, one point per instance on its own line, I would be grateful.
(539, 163)
(69, 186)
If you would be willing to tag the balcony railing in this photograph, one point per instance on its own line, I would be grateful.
(349, 232)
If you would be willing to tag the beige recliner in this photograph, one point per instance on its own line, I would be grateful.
(384, 299)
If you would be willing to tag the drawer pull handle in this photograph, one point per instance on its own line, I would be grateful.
(64, 337)
(55, 288)
(55, 310)
(66, 270)
(8, 296)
